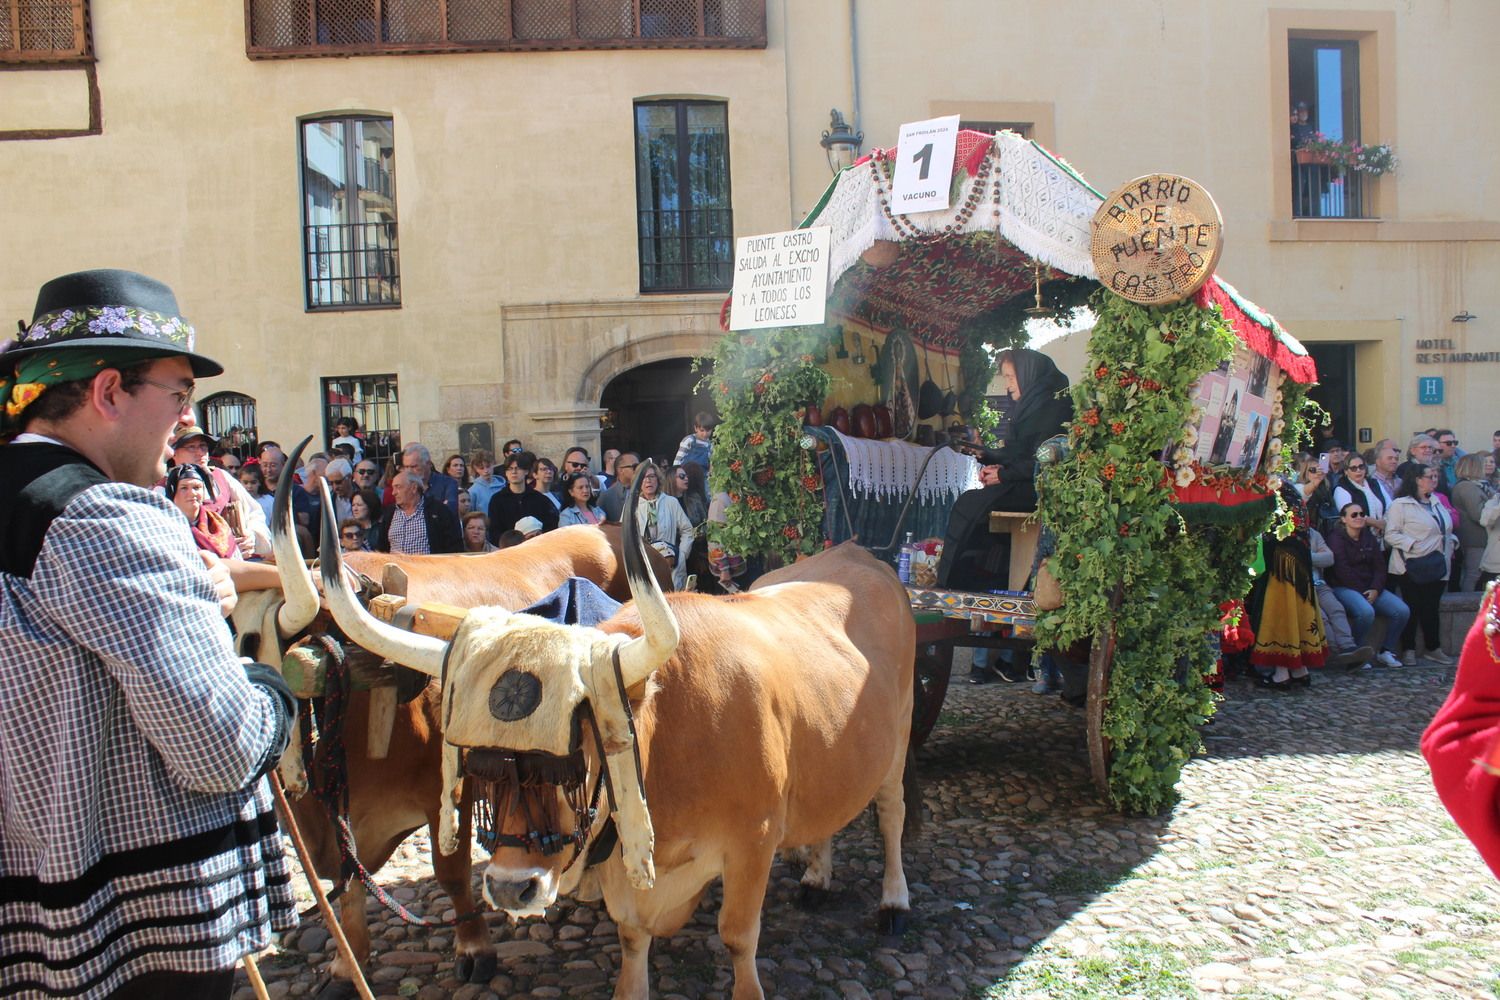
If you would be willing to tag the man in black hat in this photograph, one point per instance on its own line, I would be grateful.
(141, 854)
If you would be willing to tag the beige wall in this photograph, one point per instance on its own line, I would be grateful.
(515, 178)
(517, 208)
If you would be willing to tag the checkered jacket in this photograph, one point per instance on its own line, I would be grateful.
(132, 836)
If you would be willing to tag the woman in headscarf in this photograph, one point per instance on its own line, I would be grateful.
(971, 554)
(188, 487)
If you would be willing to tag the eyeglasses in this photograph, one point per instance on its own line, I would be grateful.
(1354, 514)
(628, 465)
(1450, 442)
(576, 465)
(184, 396)
(513, 451)
(1355, 468)
(351, 536)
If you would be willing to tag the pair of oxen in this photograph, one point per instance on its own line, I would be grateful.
(688, 737)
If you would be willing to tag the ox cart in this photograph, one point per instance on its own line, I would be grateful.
(1187, 404)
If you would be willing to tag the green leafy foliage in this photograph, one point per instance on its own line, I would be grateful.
(762, 381)
(1126, 560)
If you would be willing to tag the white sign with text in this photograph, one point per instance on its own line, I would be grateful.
(780, 279)
(924, 165)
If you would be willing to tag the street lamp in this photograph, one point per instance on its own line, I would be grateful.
(840, 143)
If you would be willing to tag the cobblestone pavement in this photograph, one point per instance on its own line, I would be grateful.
(1308, 857)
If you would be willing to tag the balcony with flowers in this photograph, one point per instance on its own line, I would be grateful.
(1335, 178)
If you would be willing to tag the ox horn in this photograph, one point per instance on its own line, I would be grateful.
(640, 657)
(420, 652)
(300, 600)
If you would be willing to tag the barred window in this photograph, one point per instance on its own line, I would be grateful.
(685, 224)
(351, 255)
(33, 31)
(290, 28)
(230, 417)
(373, 403)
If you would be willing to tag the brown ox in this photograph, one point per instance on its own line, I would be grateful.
(771, 723)
(392, 797)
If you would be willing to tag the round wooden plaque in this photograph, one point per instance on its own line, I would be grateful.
(1157, 239)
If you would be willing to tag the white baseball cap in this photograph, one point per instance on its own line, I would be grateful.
(529, 526)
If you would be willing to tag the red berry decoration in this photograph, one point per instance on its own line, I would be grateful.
(767, 377)
(1151, 385)
(764, 476)
(791, 532)
(1124, 531)
(755, 502)
(1091, 417)
(1101, 373)
(756, 439)
(1118, 427)
(736, 466)
(811, 483)
(1109, 471)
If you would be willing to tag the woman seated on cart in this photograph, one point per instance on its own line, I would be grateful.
(973, 558)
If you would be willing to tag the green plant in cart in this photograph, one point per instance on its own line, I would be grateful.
(762, 382)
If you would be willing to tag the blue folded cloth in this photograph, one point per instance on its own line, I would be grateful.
(575, 602)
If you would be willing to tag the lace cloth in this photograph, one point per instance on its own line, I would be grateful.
(1045, 211)
(1035, 202)
(884, 470)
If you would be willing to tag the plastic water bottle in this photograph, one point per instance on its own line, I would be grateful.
(903, 561)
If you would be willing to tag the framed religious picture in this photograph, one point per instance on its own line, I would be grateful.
(475, 436)
(1235, 402)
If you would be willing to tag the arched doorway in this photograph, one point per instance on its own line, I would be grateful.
(649, 409)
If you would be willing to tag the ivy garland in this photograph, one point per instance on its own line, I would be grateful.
(762, 381)
(1125, 559)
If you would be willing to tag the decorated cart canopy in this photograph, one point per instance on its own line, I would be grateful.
(933, 294)
(1014, 205)
(1191, 404)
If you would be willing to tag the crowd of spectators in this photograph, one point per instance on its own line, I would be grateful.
(1383, 533)
(473, 503)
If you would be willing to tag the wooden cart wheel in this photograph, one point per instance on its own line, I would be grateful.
(933, 669)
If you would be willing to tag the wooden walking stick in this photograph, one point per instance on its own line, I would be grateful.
(341, 942)
(253, 971)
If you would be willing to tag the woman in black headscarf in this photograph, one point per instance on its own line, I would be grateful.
(971, 555)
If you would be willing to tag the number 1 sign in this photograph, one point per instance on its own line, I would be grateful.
(924, 165)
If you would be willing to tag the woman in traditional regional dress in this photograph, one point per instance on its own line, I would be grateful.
(971, 557)
(187, 488)
(1289, 631)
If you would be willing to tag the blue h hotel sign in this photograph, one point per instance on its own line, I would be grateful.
(1430, 390)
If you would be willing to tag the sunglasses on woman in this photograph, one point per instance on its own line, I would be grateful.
(1355, 468)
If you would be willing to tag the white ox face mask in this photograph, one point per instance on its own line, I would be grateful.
(514, 689)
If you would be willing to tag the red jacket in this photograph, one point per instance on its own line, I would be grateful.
(1465, 732)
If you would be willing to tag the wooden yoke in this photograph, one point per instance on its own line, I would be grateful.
(1025, 534)
(437, 620)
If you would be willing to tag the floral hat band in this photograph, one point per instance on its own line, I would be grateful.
(106, 309)
(108, 321)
